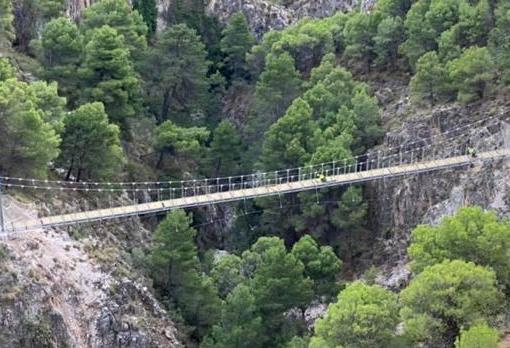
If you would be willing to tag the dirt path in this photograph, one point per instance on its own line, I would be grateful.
(75, 283)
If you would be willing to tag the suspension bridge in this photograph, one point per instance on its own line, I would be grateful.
(169, 195)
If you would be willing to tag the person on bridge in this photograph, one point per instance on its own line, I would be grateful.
(471, 151)
(322, 177)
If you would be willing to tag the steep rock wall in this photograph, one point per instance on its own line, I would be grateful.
(399, 205)
(59, 292)
(264, 15)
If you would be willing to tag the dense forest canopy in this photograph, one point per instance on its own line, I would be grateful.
(100, 83)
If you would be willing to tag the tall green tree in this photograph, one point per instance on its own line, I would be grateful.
(6, 70)
(359, 33)
(176, 76)
(394, 8)
(118, 15)
(446, 297)
(278, 284)
(237, 41)
(478, 336)
(225, 151)
(192, 13)
(180, 143)
(227, 274)
(108, 75)
(61, 52)
(431, 83)
(474, 21)
(390, 34)
(278, 85)
(240, 325)
(499, 42)
(6, 23)
(176, 272)
(321, 265)
(471, 73)
(363, 316)
(27, 142)
(471, 235)
(291, 140)
(90, 146)
(421, 38)
(51, 104)
(149, 12)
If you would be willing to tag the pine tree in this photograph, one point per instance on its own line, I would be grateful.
(176, 272)
(6, 70)
(149, 12)
(290, 141)
(471, 73)
(477, 336)
(499, 42)
(177, 142)
(176, 75)
(479, 236)
(240, 325)
(321, 265)
(108, 75)
(237, 41)
(359, 33)
(278, 284)
(61, 52)
(27, 142)
(431, 82)
(225, 151)
(363, 316)
(90, 148)
(6, 23)
(389, 36)
(446, 297)
(277, 87)
(118, 15)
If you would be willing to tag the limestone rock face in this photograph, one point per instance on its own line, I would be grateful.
(264, 15)
(398, 205)
(75, 7)
(56, 291)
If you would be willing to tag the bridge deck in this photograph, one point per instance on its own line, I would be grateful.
(240, 194)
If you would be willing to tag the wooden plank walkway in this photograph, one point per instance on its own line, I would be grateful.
(262, 191)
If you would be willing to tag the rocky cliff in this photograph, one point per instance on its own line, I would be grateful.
(60, 292)
(264, 15)
(398, 205)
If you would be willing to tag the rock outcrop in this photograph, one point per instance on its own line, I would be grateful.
(398, 205)
(264, 15)
(56, 292)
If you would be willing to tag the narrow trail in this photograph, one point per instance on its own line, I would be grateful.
(75, 284)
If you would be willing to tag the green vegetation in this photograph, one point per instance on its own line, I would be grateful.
(6, 23)
(118, 15)
(448, 296)
(235, 44)
(363, 316)
(176, 77)
(176, 272)
(478, 336)
(61, 52)
(113, 97)
(90, 146)
(27, 138)
(109, 75)
(477, 236)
